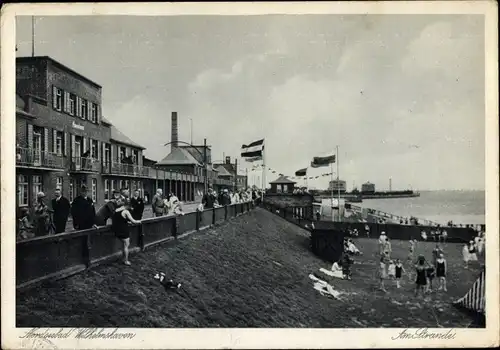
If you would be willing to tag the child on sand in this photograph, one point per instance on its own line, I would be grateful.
(399, 272)
(382, 272)
(391, 270)
(465, 255)
(411, 253)
(441, 267)
(430, 273)
(421, 280)
(472, 251)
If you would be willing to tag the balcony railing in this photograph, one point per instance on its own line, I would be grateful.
(126, 169)
(85, 164)
(35, 158)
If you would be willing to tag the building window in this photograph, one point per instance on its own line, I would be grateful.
(95, 149)
(93, 112)
(59, 183)
(84, 113)
(22, 188)
(72, 104)
(106, 190)
(135, 155)
(57, 98)
(71, 190)
(37, 184)
(113, 185)
(59, 143)
(123, 153)
(122, 184)
(94, 190)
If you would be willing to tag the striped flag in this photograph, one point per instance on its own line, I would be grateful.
(253, 151)
(301, 172)
(474, 300)
(322, 161)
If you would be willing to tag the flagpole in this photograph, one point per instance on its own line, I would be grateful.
(338, 179)
(32, 36)
(331, 201)
(263, 171)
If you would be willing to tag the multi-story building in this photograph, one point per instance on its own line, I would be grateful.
(368, 187)
(64, 141)
(337, 185)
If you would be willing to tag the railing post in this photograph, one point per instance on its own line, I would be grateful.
(213, 216)
(198, 219)
(225, 213)
(88, 248)
(141, 236)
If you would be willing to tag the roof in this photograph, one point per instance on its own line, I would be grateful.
(118, 136)
(178, 156)
(283, 180)
(105, 121)
(222, 170)
(57, 63)
(228, 167)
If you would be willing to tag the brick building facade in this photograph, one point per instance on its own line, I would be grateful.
(63, 141)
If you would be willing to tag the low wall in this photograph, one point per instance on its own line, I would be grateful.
(393, 231)
(57, 256)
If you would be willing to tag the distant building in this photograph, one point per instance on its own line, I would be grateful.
(282, 185)
(337, 185)
(231, 169)
(368, 187)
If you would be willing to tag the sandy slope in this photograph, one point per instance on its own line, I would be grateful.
(249, 272)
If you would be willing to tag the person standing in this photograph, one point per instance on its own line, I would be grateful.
(126, 195)
(157, 203)
(137, 204)
(83, 211)
(208, 199)
(61, 208)
(41, 215)
(120, 226)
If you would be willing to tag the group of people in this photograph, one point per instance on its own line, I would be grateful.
(45, 220)
(474, 248)
(425, 272)
(168, 205)
(438, 235)
(212, 199)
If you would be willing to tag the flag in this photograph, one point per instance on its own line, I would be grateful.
(253, 159)
(301, 172)
(253, 150)
(322, 161)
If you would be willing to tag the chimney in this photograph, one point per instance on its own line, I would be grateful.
(175, 131)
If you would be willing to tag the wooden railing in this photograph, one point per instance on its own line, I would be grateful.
(85, 164)
(34, 158)
(126, 169)
(57, 256)
(303, 216)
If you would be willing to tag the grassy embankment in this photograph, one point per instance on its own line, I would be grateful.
(250, 272)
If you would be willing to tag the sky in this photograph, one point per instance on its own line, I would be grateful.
(402, 96)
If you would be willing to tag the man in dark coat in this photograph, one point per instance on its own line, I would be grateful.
(83, 211)
(106, 211)
(137, 204)
(225, 198)
(208, 199)
(61, 208)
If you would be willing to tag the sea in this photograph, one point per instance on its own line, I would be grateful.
(461, 207)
